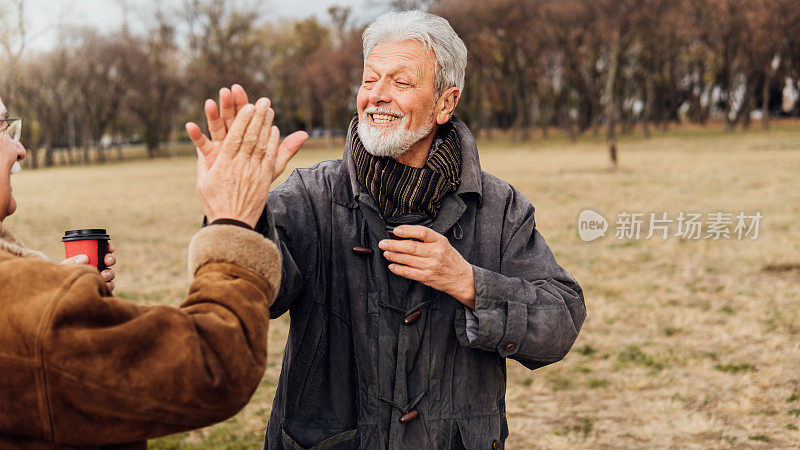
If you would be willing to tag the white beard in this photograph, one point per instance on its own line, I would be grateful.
(16, 168)
(392, 144)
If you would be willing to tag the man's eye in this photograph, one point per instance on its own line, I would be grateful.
(403, 83)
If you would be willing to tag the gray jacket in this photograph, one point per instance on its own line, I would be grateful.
(377, 361)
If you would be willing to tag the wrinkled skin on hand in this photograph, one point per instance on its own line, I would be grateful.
(236, 185)
(426, 256)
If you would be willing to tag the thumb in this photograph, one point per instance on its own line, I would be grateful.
(293, 142)
(287, 150)
(77, 259)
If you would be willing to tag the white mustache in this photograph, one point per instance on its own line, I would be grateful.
(382, 110)
(16, 168)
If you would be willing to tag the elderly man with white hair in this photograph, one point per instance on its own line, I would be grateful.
(410, 275)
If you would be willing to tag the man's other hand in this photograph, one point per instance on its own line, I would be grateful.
(431, 260)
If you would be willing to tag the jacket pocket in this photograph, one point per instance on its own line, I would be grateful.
(481, 432)
(308, 388)
(344, 440)
(302, 380)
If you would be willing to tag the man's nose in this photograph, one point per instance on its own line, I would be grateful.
(21, 152)
(380, 92)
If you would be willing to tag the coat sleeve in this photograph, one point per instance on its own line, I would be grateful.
(115, 371)
(532, 309)
(289, 222)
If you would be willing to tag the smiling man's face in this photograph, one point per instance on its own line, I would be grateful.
(397, 100)
(10, 152)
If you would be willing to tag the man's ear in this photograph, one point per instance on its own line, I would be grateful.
(447, 105)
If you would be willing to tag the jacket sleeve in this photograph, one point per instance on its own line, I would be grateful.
(289, 223)
(532, 309)
(116, 372)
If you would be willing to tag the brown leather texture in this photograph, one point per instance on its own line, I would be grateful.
(82, 368)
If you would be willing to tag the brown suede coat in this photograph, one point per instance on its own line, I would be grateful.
(82, 368)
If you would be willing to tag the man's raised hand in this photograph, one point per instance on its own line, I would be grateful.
(220, 119)
(236, 185)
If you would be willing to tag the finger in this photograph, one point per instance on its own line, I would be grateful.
(287, 150)
(263, 137)
(108, 275)
(420, 232)
(239, 96)
(254, 128)
(406, 246)
(227, 110)
(233, 141)
(77, 259)
(272, 148)
(409, 260)
(111, 248)
(109, 260)
(408, 272)
(216, 126)
(198, 138)
(110, 286)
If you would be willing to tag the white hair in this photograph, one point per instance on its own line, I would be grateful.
(430, 30)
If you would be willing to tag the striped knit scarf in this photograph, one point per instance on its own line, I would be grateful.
(400, 189)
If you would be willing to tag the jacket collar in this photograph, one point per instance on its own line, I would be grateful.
(347, 190)
(12, 245)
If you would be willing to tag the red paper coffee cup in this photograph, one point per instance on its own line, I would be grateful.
(92, 242)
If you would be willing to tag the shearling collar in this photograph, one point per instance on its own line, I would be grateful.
(10, 244)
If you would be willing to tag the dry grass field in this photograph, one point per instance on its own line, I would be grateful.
(688, 343)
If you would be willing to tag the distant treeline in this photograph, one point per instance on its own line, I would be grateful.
(577, 65)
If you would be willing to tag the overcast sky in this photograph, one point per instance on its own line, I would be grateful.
(44, 16)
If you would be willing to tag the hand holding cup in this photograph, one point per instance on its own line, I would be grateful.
(91, 246)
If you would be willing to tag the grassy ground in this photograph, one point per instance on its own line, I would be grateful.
(688, 343)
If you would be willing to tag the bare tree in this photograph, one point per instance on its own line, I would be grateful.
(155, 83)
(224, 47)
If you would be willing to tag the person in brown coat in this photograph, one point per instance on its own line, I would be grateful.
(82, 368)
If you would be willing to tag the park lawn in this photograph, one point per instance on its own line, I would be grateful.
(688, 343)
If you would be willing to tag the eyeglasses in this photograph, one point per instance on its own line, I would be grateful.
(12, 126)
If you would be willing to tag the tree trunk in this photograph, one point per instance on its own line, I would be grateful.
(48, 156)
(649, 93)
(610, 95)
(698, 115)
(101, 153)
(765, 97)
(747, 106)
(729, 88)
(32, 156)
